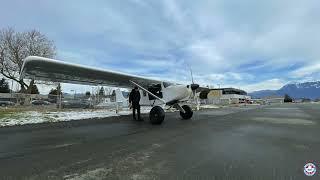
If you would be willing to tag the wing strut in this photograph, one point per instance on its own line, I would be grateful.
(148, 92)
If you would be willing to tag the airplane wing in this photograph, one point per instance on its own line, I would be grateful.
(39, 68)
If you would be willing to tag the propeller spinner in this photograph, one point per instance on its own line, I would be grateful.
(194, 86)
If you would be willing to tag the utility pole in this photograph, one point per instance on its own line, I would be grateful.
(98, 100)
(92, 95)
(11, 88)
(59, 95)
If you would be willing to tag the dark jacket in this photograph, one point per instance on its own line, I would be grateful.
(134, 97)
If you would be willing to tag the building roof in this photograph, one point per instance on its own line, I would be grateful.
(231, 91)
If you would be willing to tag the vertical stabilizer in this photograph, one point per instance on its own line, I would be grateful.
(120, 98)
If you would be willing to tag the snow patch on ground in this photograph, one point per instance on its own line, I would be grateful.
(209, 106)
(41, 116)
(32, 117)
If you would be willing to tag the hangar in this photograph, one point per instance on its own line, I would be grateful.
(224, 96)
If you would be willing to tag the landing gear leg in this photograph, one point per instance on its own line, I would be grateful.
(156, 115)
(185, 111)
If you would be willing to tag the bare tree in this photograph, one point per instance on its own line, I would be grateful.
(16, 46)
(108, 91)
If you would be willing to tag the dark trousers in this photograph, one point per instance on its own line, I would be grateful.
(134, 108)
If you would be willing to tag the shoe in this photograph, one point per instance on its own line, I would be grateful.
(140, 119)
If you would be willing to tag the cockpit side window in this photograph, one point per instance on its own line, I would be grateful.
(166, 84)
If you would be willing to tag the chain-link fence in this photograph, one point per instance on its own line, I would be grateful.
(62, 101)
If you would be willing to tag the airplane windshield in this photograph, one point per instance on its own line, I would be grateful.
(166, 84)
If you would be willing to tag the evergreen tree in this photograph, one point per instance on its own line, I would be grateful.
(54, 94)
(88, 94)
(287, 98)
(4, 86)
(101, 92)
(34, 89)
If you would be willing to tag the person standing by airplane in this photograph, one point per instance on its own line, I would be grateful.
(134, 100)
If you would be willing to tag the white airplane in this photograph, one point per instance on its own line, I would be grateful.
(120, 100)
(153, 93)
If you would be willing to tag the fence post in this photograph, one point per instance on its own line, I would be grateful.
(60, 99)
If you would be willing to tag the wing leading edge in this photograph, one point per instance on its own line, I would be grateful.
(46, 69)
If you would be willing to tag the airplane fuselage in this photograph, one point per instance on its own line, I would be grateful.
(169, 94)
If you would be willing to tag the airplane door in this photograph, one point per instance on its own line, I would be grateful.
(156, 90)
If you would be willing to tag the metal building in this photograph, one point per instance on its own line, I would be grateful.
(225, 96)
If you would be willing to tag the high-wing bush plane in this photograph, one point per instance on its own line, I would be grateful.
(153, 93)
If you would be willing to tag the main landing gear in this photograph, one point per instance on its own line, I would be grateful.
(157, 113)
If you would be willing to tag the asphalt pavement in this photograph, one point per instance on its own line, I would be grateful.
(252, 142)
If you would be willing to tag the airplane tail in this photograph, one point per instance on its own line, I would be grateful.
(121, 99)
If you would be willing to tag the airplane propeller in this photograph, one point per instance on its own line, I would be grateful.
(194, 86)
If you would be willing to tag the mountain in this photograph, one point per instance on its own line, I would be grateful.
(309, 90)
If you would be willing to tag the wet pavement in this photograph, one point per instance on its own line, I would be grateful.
(253, 142)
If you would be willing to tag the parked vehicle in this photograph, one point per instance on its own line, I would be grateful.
(7, 103)
(40, 102)
(75, 104)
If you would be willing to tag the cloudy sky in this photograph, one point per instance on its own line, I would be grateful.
(247, 44)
